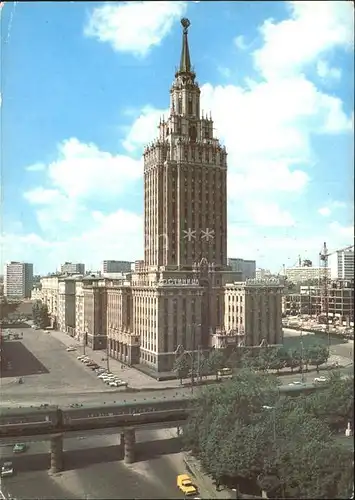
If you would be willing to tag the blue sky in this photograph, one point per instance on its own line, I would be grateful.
(84, 85)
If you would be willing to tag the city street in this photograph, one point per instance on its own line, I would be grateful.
(95, 469)
(57, 377)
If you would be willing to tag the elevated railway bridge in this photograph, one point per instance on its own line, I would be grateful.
(52, 423)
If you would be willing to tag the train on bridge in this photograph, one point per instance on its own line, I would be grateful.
(48, 419)
(51, 419)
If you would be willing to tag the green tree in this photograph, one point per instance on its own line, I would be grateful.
(243, 430)
(40, 314)
(36, 308)
(215, 361)
(222, 415)
(318, 355)
(294, 359)
(201, 367)
(7, 307)
(182, 367)
(334, 404)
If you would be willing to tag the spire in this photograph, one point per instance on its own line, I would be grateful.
(185, 62)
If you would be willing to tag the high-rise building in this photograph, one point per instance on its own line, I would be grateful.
(18, 279)
(299, 274)
(342, 265)
(116, 266)
(246, 267)
(72, 268)
(177, 294)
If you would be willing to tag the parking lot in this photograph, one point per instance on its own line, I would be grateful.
(43, 364)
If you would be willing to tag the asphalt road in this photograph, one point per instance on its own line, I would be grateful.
(95, 469)
(64, 380)
(46, 367)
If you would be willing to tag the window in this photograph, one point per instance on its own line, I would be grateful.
(180, 107)
(190, 107)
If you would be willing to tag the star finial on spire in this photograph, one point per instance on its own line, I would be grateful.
(185, 62)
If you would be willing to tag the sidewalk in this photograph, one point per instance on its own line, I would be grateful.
(134, 378)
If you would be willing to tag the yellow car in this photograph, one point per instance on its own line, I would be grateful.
(185, 484)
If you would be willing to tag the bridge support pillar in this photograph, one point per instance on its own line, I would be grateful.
(56, 451)
(122, 439)
(129, 442)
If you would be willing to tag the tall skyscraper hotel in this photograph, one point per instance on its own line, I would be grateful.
(176, 300)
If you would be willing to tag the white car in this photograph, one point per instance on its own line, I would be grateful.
(108, 378)
(104, 375)
(320, 379)
(100, 373)
(71, 348)
(80, 357)
(7, 470)
(118, 383)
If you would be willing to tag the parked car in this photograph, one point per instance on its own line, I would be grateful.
(7, 470)
(104, 374)
(86, 361)
(94, 366)
(71, 348)
(321, 379)
(117, 383)
(80, 357)
(19, 448)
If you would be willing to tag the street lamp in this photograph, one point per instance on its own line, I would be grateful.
(180, 350)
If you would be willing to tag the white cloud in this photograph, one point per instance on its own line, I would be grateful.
(312, 29)
(331, 207)
(117, 234)
(144, 128)
(325, 211)
(81, 174)
(134, 26)
(239, 42)
(83, 171)
(36, 167)
(326, 72)
(270, 215)
(342, 231)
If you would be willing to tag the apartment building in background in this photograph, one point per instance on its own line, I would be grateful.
(254, 312)
(72, 268)
(308, 302)
(246, 267)
(342, 265)
(115, 266)
(261, 274)
(67, 305)
(299, 274)
(95, 312)
(138, 266)
(49, 295)
(18, 279)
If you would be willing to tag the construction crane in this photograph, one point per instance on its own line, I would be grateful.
(324, 281)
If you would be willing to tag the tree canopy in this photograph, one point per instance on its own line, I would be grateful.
(40, 314)
(243, 430)
(7, 307)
